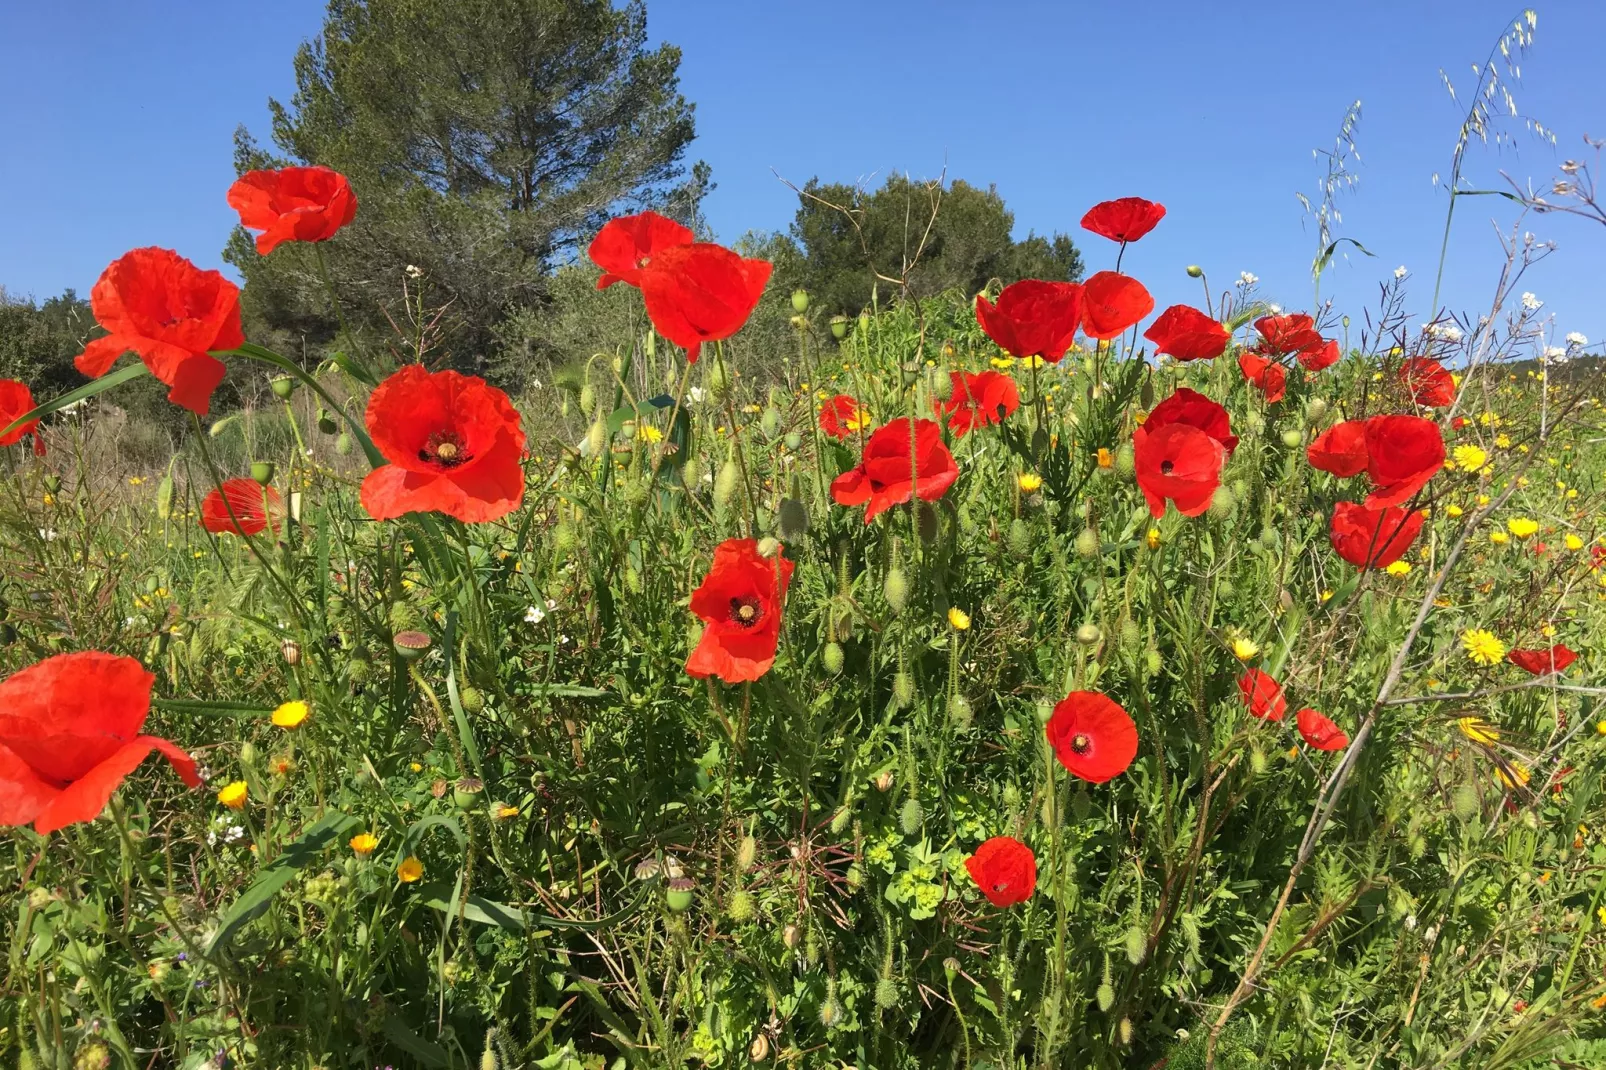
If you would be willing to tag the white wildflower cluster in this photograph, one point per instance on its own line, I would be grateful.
(1245, 279)
(1444, 332)
(1400, 272)
(1530, 303)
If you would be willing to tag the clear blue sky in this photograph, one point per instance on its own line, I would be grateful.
(119, 117)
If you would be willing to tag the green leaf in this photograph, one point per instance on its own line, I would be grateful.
(228, 709)
(476, 909)
(465, 731)
(400, 1034)
(306, 849)
(88, 390)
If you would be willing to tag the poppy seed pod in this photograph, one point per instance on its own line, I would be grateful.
(679, 893)
(1292, 437)
(282, 386)
(864, 321)
(262, 472)
(800, 301)
(411, 645)
(326, 422)
(466, 793)
(839, 327)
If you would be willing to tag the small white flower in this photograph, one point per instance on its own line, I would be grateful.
(211, 839)
(1246, 279)
(234, 833)
(1575, 339)
(47, 534)
(1530, 302)
(535, 384)
(1276, 310)
(414, 271)
(534, 615)
(696, 395)
(204, 772)
(1410, 921)
(1400, 272)
(1447, 332)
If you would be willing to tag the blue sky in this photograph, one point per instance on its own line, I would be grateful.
(120, 117)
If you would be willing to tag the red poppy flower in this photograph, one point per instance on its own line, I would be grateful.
(453, 443)
(1373, 538)
(739, 602)
(1124, 219)
(293, 204)
(1324, 354)
(1111, 303)
(69, 734)
(626, 245)
(241, 507)
(1005, 870)
(16, 400)
(1403, 453)
(1540, 662)
(1092, 736)
(1033, 318)
(883, 476)
(1269, 376)
(843, 415)
(1285, 334)
(1179, 450)
(700, 292)
(978, 400)
(1319, 731)
(1457, 423)
(1263, 695)
(1428, 382)
(173, 315)
(1341, 449)
(1188, 334)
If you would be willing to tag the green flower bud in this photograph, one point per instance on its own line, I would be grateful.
(262, 472)
(1124, 1031)
(793, 440)
(1106, 996)
(741, 907)
(942, 384)
(472, 699)
(1194, 272)
(1137, 945)
(1089, 634)
(1316, 408)
(903, 689)
(1151, 661)
(1020, 537)
(343, 444)
(831, 658)
(597, 438)
(1081, 804)
(911, 817)
(770, 422)
(1292, 437)
(831, 1013)
(588, 400)
(1222, 504)
(886, 993)
(717, 379)
(1125, 463)
(746, 853)
(1257, 760)
(959, 712)
(1087, 543)
(839, 820)
(326, 422)
(896, 589)
(725, 484)
(1131, 634)
(1466, 804)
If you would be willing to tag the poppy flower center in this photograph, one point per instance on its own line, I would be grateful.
(1165, 467)
(444, 448)
(1080, 743)
(746, 611)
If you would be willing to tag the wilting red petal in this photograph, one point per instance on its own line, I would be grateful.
(241, 507)
(1033, 318)
(1540, 662)
(1341, 449)
(1373, 538)
(626, 245)
(1124, 219)
(1093, 737)
(1111, 303)
(978, 400)
(1319, 731)
(1005, 870)
(293, 204)
(172, 314)
(1263, 695)
(1188, 334)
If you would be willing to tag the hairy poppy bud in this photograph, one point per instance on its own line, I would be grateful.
(959, 712)
(794, 518)
(1269, 538)
(588, 400)
(717, 380)
(248, 753)
(343, 444)
(597, 438)
(1137, 945)
(886, 993)
(1125, 1031)
(793, 440)
(839, 820)
(942, 384)
(741, 907)
(1222, 504)
(800, 300)
(1125, 462)
(1151, 660)
(903, 689)
(725, 484)
(1466, 805)
(1081, 804)
(564, 538)
(830, 1013)
(1106, 996)
(488, 1059)
(1089, 634)
(831, 658)
(770, 422)
(926, 522)
(1292, 437)
(1257, 760)
(896, 589)
(746, 853)
(1195, 271)
(911, 817)
(1131, 634)
(472, 699)
(1011, 795)
(1087, 543)
(1255, 423)
(1316, 408)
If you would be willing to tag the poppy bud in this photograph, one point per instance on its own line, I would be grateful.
(896, 589)
(1222, 504)
(768, 547)
(262, 472)
(926, 522)
(283, 386)
(886, 993)
(1195, 271)
(1089, 634)
(883, 780)
(1131, 634)
(831, 658)
(678, 895)
(1316, 409)
(830, 1013)
(1255, 423)
(864, 321)
(1020, 536)
(1466, 805)
(488, 1059)
(800, 300)
(741, 907)
(959, 712)
(472, 699)
(746, 853)
(794, 519)
(596, 438)
(725, 484)
(1106, 996)
(1137, 945)
(1087, 543)
(466, 793)
(911, 817)
(793, 440)
(903, 689)
(941, 384)
(1125, 1031)
(839, 327)
(1011, 795)
(770, 422)
(1292, 437)
(1081, 804)
(248, 753)
(564, 538)
(717, 380)
(94, 1055)
(1125, 462)
(343, 444)
(1257, 760)
(326, 422)
(588, 400)
(1269, 538)
(52, 483)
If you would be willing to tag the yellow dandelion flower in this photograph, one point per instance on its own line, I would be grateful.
(409, 870)
(1499, 538)
(505, 812)
(1106, 458)
(958, 618)
(1478, 730)
(1522, 527)
(1573, 542)
(1483, 499)
(1327, 594)
(1453, 510)
(1502, 441)
(233, 795)
(1029, 482)
(1482, 647)
(1153, 538)
(415, 767)
(291, 714)
(1518, 776)
(649, 433)
(1471, 458)
(363, 844)
(1244, 649)
(1399, 568)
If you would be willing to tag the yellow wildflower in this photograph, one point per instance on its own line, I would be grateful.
(1482, 647)
(1244, 649)
(505, 812)
(1499, 538)
(1029, 482)
(1471, 458)
(1478, 730)
(291, 714)
(1153, 538)
(1573, 542)
(1518, 775)
(410, 870)
(363, 844)
(233, 795)
(1502, 441)
(958, 618)
(649, 433)
(1399, 568)
(1106, 458)
(1522, 527)
(1453, 510)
